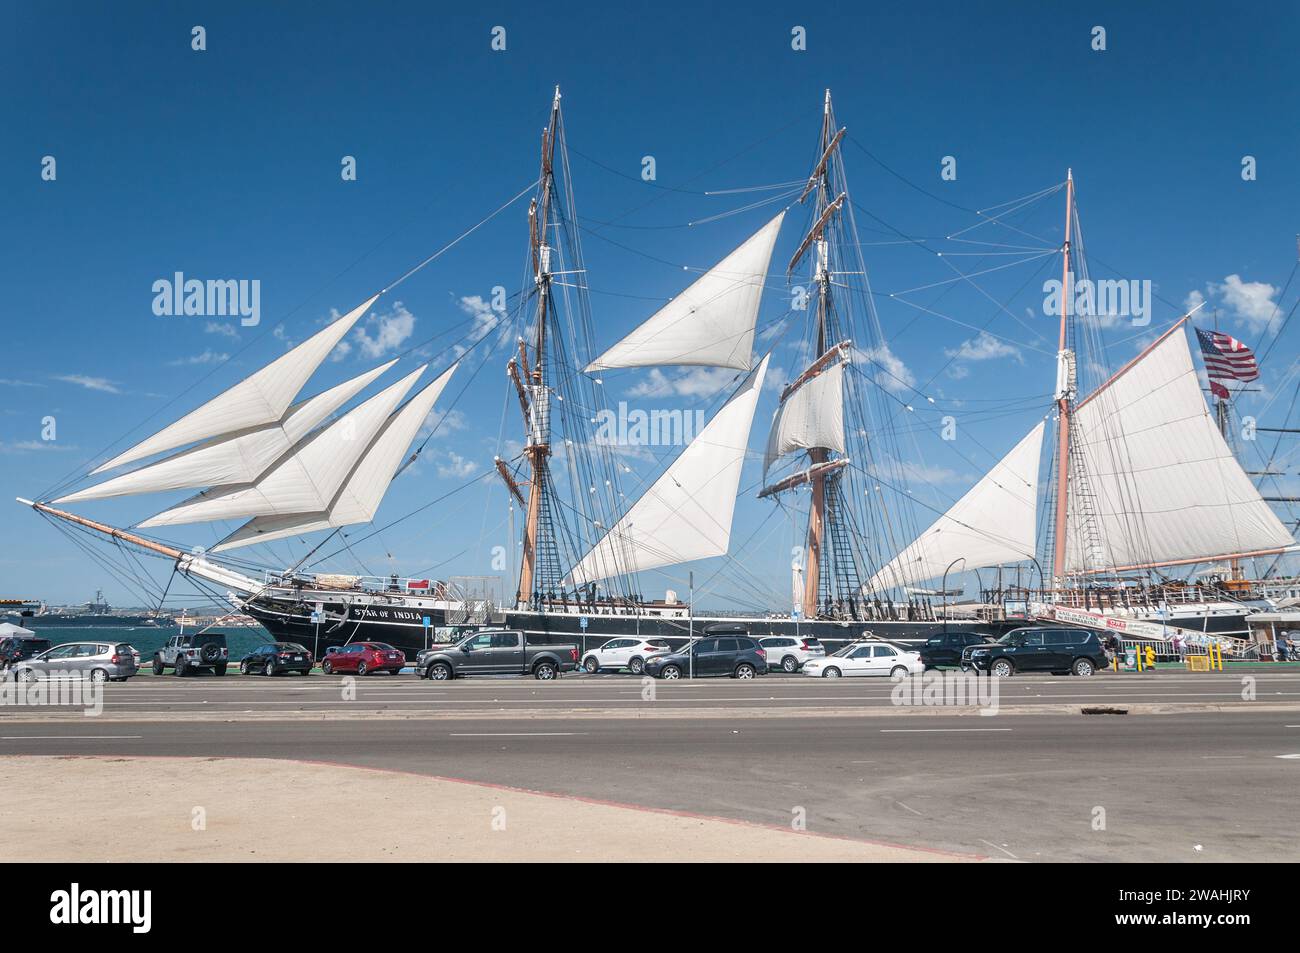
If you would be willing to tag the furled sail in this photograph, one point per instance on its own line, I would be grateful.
(239, 458)
(304, 481)
(365, 487)
(812, 415)
(259, 399)
(1153, 482)
(711, 323)
(992, 524)
(686, 513)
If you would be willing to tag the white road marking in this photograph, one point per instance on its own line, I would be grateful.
(996, 847)
(887, 731)
(67, 737)
(515, 734)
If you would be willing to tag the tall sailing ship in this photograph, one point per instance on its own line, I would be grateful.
(1144, 482)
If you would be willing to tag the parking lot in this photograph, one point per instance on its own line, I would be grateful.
(611, 695)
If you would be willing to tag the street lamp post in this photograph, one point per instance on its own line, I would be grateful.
(944, 590)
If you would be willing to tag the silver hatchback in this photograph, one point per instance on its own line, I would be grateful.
(97, 661)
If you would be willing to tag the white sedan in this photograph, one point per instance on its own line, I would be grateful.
(623, 653)
(865, 659)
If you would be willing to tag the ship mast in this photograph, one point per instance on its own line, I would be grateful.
(531, 383)
(816, 240)
(1066, 390)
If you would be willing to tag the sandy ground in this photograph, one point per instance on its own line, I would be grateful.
(194, 809)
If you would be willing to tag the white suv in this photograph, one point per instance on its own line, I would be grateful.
(623, 653)
(788, 653)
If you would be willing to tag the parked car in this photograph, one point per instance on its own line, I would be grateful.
(364, 658)
(496, 653)
(191, 653)
(16, 648)
(623, 653)
(1059, 651)
(276, 658)
(788, 653)
(738, 656)
(864, 659)
(946, 649)
(97, 661)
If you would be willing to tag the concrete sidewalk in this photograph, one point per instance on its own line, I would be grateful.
(147, 809)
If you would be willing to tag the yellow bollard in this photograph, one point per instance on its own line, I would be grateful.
(1151, 657)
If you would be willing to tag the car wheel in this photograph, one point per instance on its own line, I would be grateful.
(244, 669)
(670, 672)
(789, 664)
(1084, 667)
(898, 670)
(831, 672)
(327, 667)
(270, 668)
(744, 670)
(361, 668)
(439, 672)
(1002, 669)
(181, 668)
(157, 665)
(98, 675)
(636, 666)
(591, 665)
(544, 672)
(27, 675)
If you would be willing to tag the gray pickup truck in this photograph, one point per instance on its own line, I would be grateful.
(496, 653)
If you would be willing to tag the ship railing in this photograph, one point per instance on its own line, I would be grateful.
(402, 585)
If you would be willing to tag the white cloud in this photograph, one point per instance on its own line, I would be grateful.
(693, 382)
(984, 347)
(382, 334)
(1193, 301)
(225, 330)
(456, 466)
(1248, 301)
(90, 383)
(444, 421)
(207, 357)
(33, 446)
(485, 318)
(891, 373)
(8, 382)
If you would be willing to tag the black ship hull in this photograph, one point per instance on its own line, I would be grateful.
(411, 629)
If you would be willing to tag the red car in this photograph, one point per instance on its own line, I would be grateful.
(364, 658)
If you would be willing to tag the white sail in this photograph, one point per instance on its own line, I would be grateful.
(240, 458)
(306, 480)
(687, 513)
(992, 524)
(1153, 482)
(711, 323)
(812, 416)
(259, 399)
(361, 495)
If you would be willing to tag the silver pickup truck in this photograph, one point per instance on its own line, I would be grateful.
(504, 652)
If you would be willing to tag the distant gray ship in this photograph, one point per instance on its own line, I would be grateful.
(95, 614)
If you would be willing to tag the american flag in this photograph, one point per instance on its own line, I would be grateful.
(1226, 359)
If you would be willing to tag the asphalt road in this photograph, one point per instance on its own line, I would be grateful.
(1213, 786)
(296, 696)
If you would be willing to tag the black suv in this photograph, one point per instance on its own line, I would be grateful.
(190, 653)
(946, 649)
(738, 656)
(19, 648)
(1059, 651)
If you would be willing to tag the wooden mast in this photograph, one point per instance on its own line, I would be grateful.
(1064, 393)
(537, 415)
(818, 456)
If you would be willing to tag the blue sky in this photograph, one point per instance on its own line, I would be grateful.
(225, 163)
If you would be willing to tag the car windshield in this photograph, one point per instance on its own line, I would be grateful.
(289, 647)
